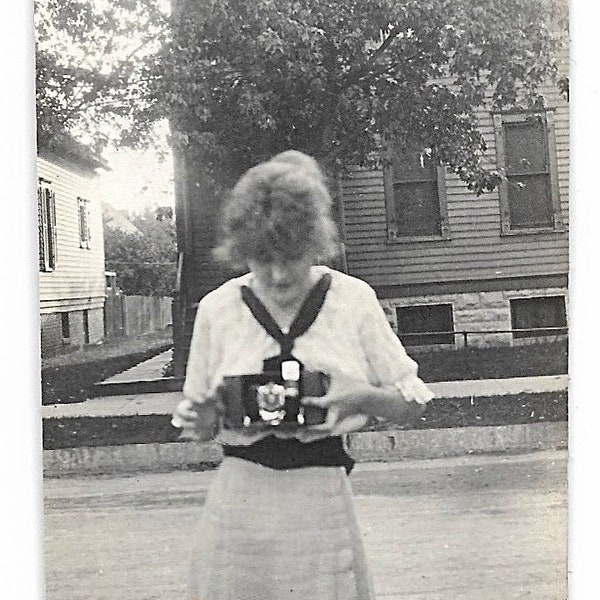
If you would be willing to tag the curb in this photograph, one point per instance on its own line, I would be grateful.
(142, 386)
(363, 446)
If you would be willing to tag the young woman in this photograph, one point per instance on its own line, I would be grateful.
(279, 520)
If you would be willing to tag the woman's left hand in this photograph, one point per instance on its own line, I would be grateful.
(349, 397)
(345, 398)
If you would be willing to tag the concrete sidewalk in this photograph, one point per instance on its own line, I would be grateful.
(147, 370)
(468, 528)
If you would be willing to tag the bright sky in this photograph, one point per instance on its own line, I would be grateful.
(138, 178)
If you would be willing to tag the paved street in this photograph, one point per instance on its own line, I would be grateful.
(468, 528)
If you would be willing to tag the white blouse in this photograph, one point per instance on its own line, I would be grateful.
(350, 335)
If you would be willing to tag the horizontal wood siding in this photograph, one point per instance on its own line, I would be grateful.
(475, 250)
(77, 282)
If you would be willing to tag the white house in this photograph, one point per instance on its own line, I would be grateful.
(71, 253)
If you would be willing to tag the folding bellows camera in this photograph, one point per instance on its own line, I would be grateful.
(273, 398)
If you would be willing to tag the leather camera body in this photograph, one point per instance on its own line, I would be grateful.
(272, 398)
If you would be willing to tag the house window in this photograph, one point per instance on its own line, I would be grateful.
(47, 239)
(83, 207)
(425, 324)
(415, 196)
(526, 154)
(530, 316)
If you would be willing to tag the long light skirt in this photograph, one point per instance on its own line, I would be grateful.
(270, 534)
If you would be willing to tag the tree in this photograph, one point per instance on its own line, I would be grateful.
(248, 79)
(91, 58)
(242, 80)
(146, 262)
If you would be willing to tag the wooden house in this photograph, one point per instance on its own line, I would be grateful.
(449, 267)
(71, 253)
(445, 260)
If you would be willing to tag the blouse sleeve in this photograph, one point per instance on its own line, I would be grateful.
(197, 380)
(389, 364)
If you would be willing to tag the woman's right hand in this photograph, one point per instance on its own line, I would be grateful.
(185, 414)
(198, 420)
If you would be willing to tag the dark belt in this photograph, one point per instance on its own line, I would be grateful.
(277, 453)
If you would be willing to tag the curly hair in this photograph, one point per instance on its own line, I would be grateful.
(302, 161)
(280, 209)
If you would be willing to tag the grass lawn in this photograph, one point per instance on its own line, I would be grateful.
(542, 358)
(69, 377)
(456, 412)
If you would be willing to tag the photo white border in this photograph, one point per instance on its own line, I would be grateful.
(584, 407)
(20, 429)
(21, 525)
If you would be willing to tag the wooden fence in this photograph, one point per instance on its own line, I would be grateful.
(127, 316)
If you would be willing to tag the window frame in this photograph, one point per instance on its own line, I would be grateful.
(47, 230)
(83, 220)
(547, 117)
(390, 204)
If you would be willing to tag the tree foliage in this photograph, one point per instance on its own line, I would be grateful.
(248, 79)
(242, 80)
(92, 58)
(145, 263)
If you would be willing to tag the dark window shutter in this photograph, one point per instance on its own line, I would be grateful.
(52, 234)
(42, 228)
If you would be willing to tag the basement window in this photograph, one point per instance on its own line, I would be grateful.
(425, 324)
(541, 316)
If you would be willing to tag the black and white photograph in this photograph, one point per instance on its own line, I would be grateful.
(304, 299)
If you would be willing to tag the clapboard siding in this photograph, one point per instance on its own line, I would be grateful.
(475, 249)
(456, 272)
(381, 279)
(77, 281)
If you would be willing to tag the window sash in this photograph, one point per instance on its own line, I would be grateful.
(529, 201)
(524, 156)
(417, 208)
(84, 222)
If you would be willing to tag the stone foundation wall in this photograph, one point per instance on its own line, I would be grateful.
(96, 324)
(51, 334)
(476, 312)
(76, 337)
(51, 331)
